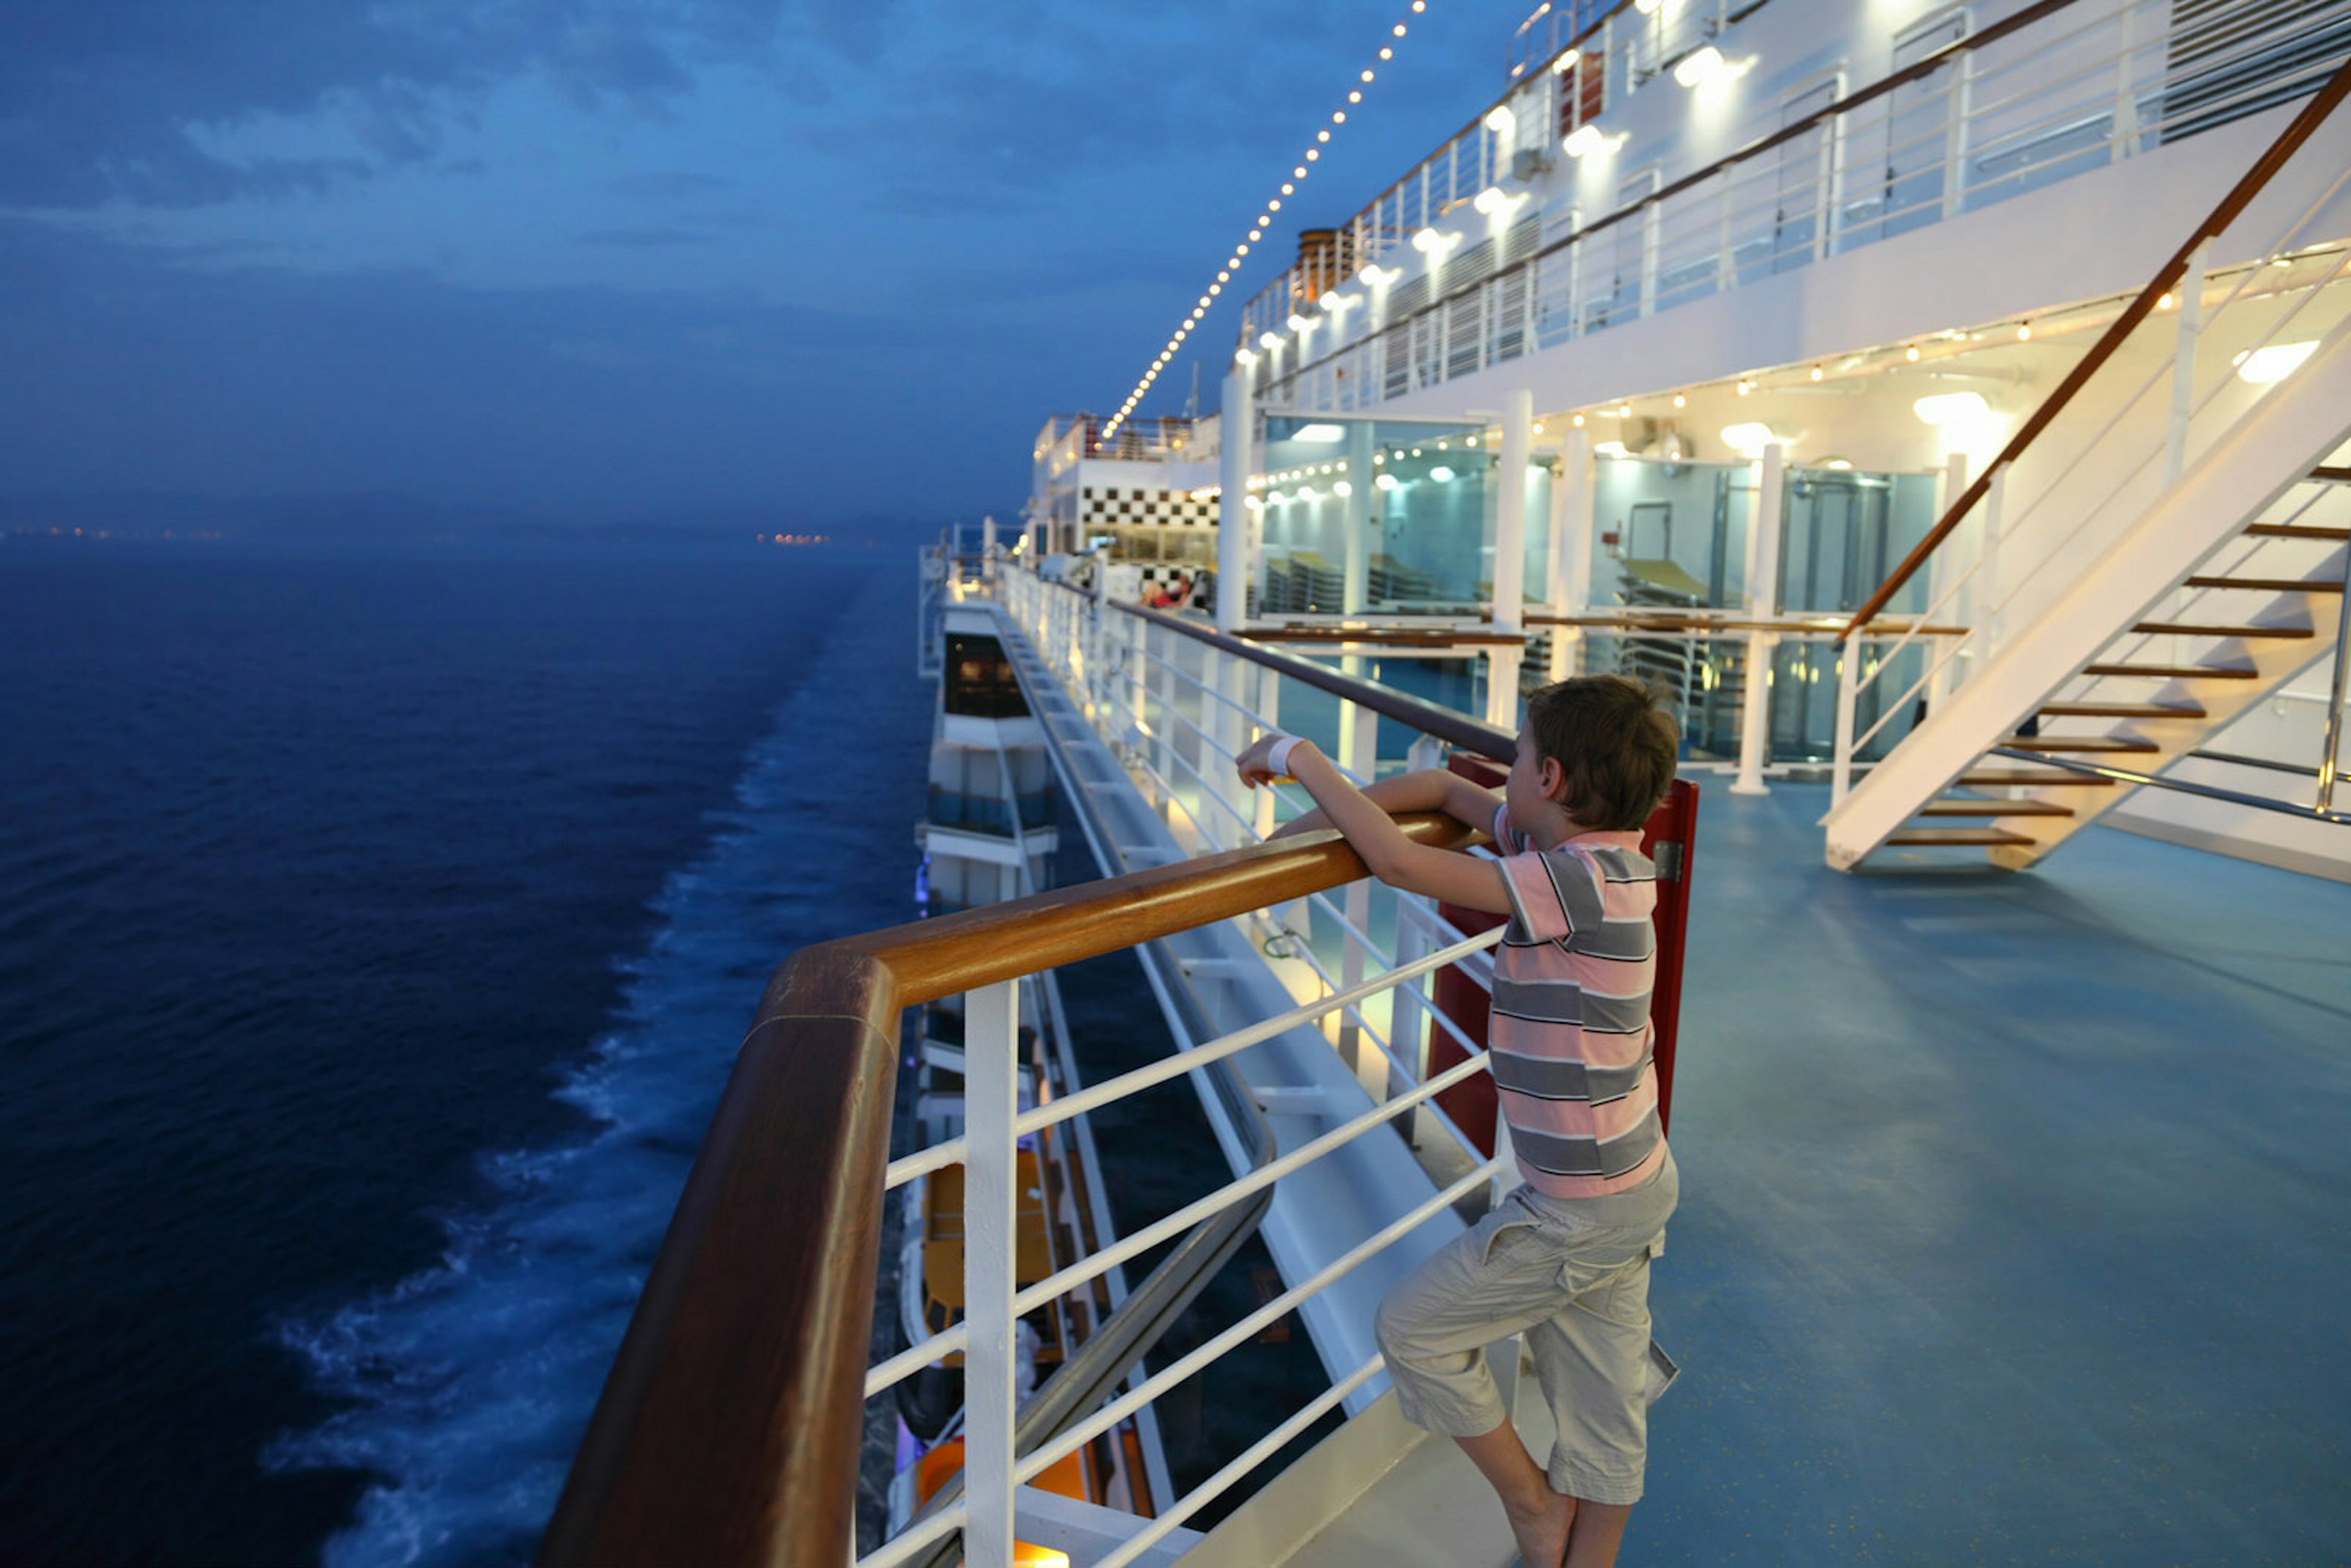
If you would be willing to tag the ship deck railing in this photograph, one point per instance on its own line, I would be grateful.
(730, 1427)
(2057, 88)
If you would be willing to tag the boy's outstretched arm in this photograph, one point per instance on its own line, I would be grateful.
(1363, 817)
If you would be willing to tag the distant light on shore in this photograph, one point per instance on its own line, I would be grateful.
(795, 539)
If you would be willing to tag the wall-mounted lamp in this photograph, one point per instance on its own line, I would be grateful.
(1588, 139)
(1750, 438)
(1952, 408)
(1441, 472)
(1268, 340)
(1707, 64)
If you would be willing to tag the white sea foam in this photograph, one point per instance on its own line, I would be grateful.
(469, 1383)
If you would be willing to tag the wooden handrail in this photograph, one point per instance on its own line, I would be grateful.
(2263, 169)
(730, 1427)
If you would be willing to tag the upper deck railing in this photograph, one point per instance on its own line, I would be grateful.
(2050, 92)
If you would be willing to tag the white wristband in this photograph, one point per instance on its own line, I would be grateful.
(1278, 757)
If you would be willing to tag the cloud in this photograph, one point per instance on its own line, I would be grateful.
(112, 102)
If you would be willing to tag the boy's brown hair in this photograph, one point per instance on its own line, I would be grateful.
(1615, 740)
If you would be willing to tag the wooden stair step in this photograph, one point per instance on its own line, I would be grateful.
(2123, 710)
(1983, 806)
(1985, 837)
(2075, 742)
(2030, 778)
(2296, 531)
(2269, 584)
(2183, 629)
(2175, 672)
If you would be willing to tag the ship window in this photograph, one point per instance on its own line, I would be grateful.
(979, 679)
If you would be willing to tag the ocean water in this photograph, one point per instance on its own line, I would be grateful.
(375, 933)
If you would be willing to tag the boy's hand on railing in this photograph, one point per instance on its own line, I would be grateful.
(1267, 760)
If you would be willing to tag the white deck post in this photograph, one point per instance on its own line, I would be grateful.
(1509, 557)
(1236, 562)
(991, 1068)
(1567, 587)
(1355, 513)
(1762, 604)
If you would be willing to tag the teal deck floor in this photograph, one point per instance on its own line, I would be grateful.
(2014, 1226)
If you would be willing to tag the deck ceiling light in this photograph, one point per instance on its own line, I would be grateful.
(1441, 472)
(1952, 408)
(1749, 439)
(1501, 122)
(1385, 481)
(1321, 432)
(2273, 363)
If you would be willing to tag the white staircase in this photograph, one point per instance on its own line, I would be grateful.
(2142, 638)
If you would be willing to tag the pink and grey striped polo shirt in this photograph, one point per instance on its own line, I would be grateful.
(1571, 1036)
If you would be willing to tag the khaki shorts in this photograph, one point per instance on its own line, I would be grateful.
(1573, 1274)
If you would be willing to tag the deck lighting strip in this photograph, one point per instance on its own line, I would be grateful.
(1259, 228)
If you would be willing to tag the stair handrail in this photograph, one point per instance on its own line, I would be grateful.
(2256, 178)
(729, 1428)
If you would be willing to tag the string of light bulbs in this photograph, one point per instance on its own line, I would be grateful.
(1262, 225)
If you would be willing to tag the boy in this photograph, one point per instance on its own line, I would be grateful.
(1565, 1257)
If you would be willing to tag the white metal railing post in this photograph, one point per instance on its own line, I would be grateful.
(1362, 744)
(1232, 736)
(1234, 562)
(991, 1078)
(1989, 621)
(2189, 295)
(1762, 604)
(2339, 689)
(1940, 569)
(1848, 692)
(1269, 714)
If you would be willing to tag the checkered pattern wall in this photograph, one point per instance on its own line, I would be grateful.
(1099, 506)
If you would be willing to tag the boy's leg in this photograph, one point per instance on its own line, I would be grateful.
(1434, 1329)
(1540, 1517)
(1598, 1531)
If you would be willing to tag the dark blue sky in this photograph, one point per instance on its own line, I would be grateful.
(612, 258)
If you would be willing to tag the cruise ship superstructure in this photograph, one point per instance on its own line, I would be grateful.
(1947, 405)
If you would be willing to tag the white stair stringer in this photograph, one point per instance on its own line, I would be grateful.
(2272, 447)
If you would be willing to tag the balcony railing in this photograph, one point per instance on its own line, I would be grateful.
(2051, 91)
